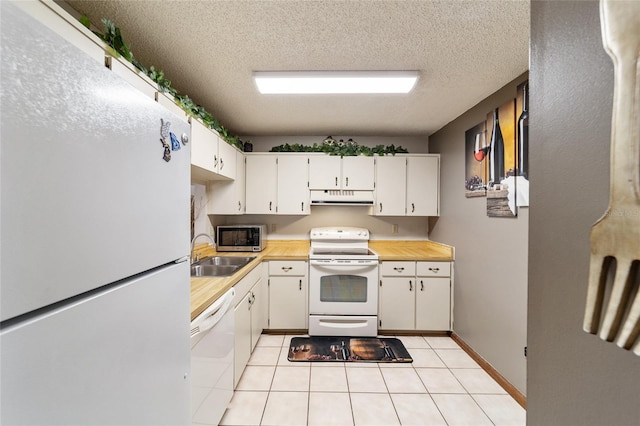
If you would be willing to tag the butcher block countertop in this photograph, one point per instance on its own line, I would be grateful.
(411, 250)
(205, 290)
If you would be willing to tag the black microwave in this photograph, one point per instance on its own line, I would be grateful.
(241, 237)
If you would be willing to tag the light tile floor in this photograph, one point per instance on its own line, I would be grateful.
(443, 386)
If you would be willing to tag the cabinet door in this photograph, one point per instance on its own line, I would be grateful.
(324, 172)
(132, 75)
(261, 184)
(293, 184)
(242, 337)
(167, 101)
(397, 303)
(258, 311)
(288, 302)
(204, 149)
(226, 159)
(433, 304)
(358, 173)
(391, 186)
(423, 183)
(227, 196)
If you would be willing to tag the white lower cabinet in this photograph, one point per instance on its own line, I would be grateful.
(415, 296)
(250, 317)
(288, 295)
(242, 337)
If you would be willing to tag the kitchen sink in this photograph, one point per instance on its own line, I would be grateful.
(219, 266)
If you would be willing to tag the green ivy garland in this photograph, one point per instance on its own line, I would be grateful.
(341, 148)
(113, 37)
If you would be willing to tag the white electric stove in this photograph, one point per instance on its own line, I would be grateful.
(343, 283)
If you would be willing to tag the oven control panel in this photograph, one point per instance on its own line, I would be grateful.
(342, 233)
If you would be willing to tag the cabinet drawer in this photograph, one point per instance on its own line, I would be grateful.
(244, 285)
(434, 269)
(398, 269)
(285, 267)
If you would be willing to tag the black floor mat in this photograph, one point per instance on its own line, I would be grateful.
(347, 349)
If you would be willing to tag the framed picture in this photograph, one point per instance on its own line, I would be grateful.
(497, 157)
(476, 161)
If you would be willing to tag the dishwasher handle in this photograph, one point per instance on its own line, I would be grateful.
(213, 314)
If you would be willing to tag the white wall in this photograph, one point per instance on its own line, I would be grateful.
(490, 307)
(574, 378)
(201, 220)
(297, 227)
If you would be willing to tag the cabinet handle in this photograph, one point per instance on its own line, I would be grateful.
(399, 269)
(421, 285)
(302, 206)
(380, 207)
(215, 160)
(336, 180)
(239, 206)
(287, 268)
(410, 285)
(436, 270)
(300, 285)
(413, 208)
(270, 203)
(221, 164)
(347, 179)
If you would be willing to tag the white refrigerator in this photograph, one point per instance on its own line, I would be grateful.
(95, 211)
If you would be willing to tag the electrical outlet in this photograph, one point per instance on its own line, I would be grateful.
(394, 228)
(273, 227)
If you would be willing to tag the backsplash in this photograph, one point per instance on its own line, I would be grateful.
(199, 221)
(297, 227)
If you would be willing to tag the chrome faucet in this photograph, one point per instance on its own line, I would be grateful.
(193, 243)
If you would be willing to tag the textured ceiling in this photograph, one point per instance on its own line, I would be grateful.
(464, 51)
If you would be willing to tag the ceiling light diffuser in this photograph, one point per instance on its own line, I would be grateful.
(334, 82)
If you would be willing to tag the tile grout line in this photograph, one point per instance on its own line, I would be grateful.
(388, 393)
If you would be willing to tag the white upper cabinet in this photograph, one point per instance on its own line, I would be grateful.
(204, 150)
(391, 186)
(57, 19)
(166, 101)
(423, 185)
(324, 172)
(227, 196)
(407, 185)
(358, 173)
(227, 159)
(211, 157)
(261, 184)
(277, 184)
(132, 75)
(293, 184)
(333, 172)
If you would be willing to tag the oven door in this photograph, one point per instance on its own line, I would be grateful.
(343, 289)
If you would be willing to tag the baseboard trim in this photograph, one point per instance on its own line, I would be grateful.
(511, 390)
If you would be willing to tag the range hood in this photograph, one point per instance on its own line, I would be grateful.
(338, 197)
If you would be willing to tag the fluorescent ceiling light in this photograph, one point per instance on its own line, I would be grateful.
(334, 82)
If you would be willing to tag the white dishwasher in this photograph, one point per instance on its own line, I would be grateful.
(212, 361)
